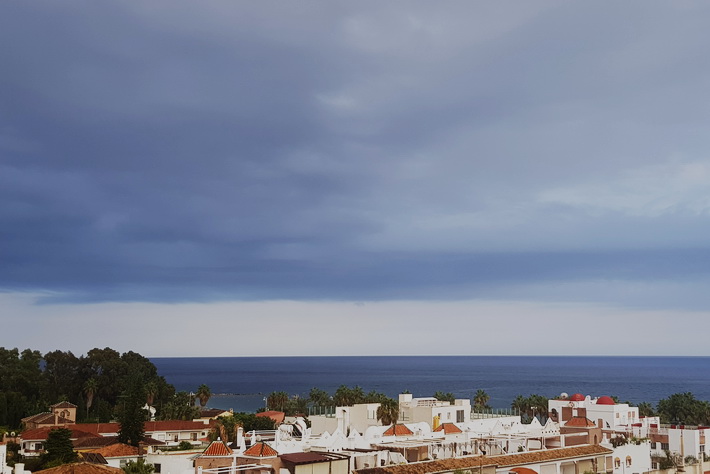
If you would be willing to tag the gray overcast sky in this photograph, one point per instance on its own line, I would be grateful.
(499, 168)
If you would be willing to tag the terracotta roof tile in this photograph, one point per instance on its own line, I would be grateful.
(117, 450)
(81, 468)
(398, 430)
(217, 448)
(448, 428)
(580, 422)
(277, 416)
(473, 462)
(261, 450)
(47, 418)
(41, 433)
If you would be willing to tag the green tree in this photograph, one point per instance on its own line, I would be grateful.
(180, 407)
(130, 413)
(445, 397)
(138, 467)
(90, 388)
(277, 401)
(480, 399)
(319, 398)
(58, 448)
(203, 394)
(684, 408)
(646, 409)
(151, 391)
(388, 412)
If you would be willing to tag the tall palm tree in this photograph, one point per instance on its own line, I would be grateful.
(203, 394)
(151, 390)
(90, 388)
(277, 401)
(388, 412)
(480, 399)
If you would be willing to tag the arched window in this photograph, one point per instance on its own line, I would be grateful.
(617, 462)
(628, 461)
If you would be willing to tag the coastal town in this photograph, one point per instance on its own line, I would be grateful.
(578, 434)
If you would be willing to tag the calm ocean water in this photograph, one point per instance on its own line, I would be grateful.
(247, 380)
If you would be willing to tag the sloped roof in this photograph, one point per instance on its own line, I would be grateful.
(212, 412)
(150, 426)
(473, 462)
(261, 450)
(95, 458)
(42, 433)
(47, 418)
(217, 448)
(580, 422)
(448, 428)
(117, 450)
(277, 416)
(81, 468)
(398, 430)
(63, 404)
(93, 442)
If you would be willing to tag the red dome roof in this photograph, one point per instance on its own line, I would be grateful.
(577, 397)
(605, 401)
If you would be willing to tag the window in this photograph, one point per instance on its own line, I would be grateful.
(448, 416)
(156, 468)
(628, 461)
(460, 416)
(194, 436)
(617, 462)
(702, 448)
(665, 446)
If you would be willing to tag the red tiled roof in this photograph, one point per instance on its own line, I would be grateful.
(398, 430)
(217, 448)
(580, 422)
(97, 427)
(261, 450)
(448, 428)
(474, 462)
(81, 468)
(117, 450)
(47, 418)
(277, 416)
(91, 442)
(41, 433)
(150, 426)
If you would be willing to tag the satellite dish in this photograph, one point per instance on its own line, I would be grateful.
(564, 396)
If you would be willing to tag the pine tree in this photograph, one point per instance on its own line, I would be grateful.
(131, 415)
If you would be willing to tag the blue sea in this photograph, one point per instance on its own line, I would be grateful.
(242, 383)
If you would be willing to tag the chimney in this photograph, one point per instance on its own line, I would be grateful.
(240, 438)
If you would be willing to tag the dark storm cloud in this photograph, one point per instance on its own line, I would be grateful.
(180, 152)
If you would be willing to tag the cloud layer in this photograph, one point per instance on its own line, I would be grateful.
(183, 152)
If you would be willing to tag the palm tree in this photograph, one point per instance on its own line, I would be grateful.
(388, 412)
(151, 390)
(90, 388)
(520, 404)
(203, 394)
(480, 399)
(277, 401)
